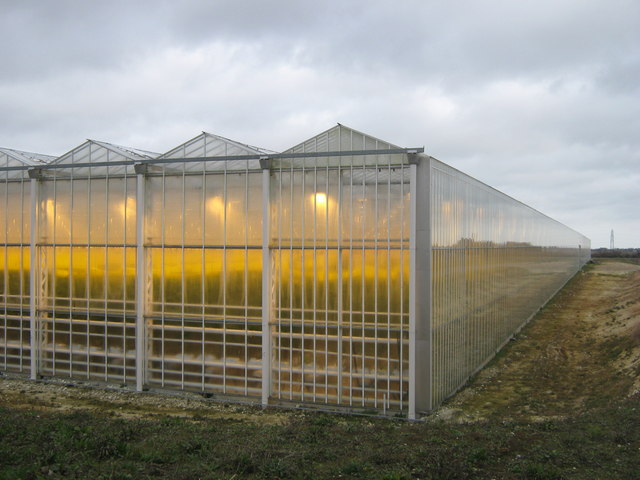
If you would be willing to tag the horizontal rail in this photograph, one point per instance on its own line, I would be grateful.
(158, 161)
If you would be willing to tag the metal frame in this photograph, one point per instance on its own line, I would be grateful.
(42, 169)
(322, 338)
(266, 289)
(141, 281)
(304, 365)
(33, 280)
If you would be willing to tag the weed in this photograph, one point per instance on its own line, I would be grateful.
(595, 432)
(353, 467)
(395, 476)
(478, 455)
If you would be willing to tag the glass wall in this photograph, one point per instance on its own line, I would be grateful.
(203, 238)
(15, 217)
(495, 261)
(340, 265)
(87, 267)
(204, 241)
(338, 216)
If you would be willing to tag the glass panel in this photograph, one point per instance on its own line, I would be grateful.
(87, 307)
(88, 313)
(495, 263)
(340, 286)
(205, 325)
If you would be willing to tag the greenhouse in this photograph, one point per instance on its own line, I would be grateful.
(343, 273)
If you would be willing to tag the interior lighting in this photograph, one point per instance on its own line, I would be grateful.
(321, 199)
(215, 206)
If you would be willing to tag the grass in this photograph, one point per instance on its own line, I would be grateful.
(602, 443)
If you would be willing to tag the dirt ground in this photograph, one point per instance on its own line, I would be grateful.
(583, 349)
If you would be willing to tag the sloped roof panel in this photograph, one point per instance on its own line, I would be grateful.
(132, 153)
(341, 139)
(210, 145)
(106, 157)
(21, 161)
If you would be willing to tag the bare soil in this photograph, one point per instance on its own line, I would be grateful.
(582, 350)
(60, 396)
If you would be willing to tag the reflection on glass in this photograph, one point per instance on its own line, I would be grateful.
(205, 319)
(495, 262)
(341, 276)
(15, 351)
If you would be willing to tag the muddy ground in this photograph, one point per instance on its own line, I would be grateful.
(582, 350)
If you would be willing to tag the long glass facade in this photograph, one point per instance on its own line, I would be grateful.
(329, 274)
(495, 262)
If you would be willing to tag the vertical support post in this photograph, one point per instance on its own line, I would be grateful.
(141, 288)
(412, 291)
(33, 280)
(266, 284)
(420, 336)
(340, 285)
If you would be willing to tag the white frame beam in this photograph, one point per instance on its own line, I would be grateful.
(33, 279)
(420, 305)
(141, 287)
(266, 288)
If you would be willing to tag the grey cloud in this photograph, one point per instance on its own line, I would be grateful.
(538, 99)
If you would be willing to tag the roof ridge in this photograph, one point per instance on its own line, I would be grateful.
(130, 152)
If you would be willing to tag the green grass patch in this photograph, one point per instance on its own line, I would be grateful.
(602, 443)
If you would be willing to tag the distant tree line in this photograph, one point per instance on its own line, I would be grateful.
(616, 252)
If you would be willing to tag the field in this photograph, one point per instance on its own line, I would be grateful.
(560, 401)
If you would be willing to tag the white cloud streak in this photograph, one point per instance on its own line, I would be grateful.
(539, 99)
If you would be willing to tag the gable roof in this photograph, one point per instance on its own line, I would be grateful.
(211, 145)
(340, 138)
(95, 151)
(11, 158)
(102, 154)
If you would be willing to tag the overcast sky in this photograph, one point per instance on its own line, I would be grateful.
(539, 99)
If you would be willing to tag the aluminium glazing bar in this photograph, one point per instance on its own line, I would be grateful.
(412, 293)
(203, 296)
(70, 279)
(340, 320)
(152, 161)
(315, 282)
(182, 280)
(140, 282)
(51, 324)
(124, 280)
(33, 280)
(225, 219)
(290, 288)
(88, 271)
(375, 288)
(105, 337)
(266, 291)
(302, 281)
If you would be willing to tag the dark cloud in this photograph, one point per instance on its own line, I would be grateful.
(539, 99)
